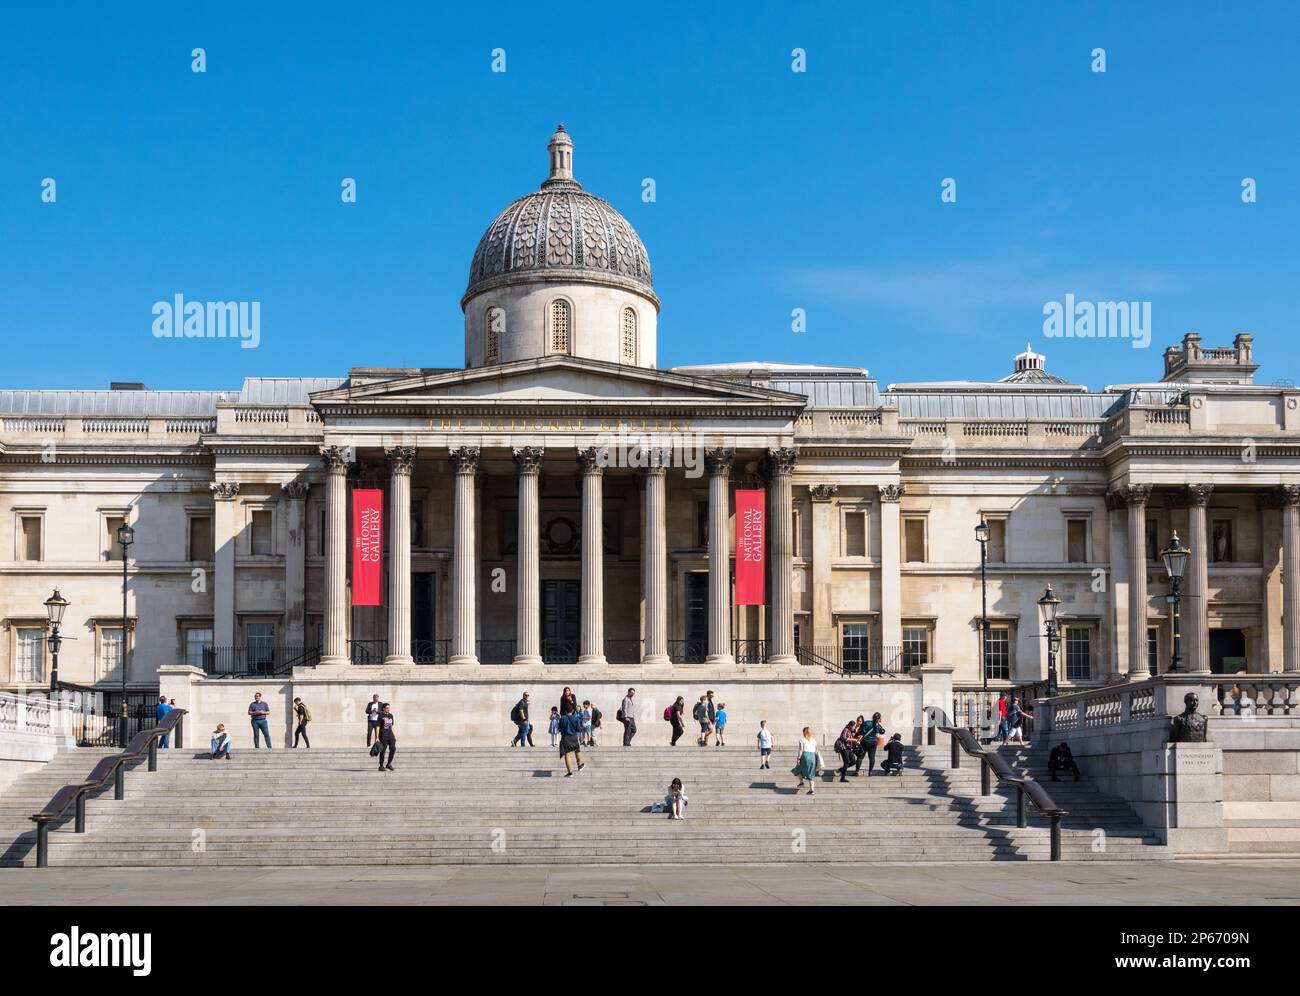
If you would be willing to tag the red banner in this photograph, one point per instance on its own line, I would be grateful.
(367, 546)
(751, 546)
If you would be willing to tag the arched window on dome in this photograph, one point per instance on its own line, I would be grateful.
(494, 328)
(561, 322)
(629, 335)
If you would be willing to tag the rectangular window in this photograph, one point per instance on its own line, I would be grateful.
(916, 646)
(31, 655)
(855, 534)
(1221, 541)
(260, 525)
(914, 541)
(997, 541)
(200, 538)
(110, 652)
(997, 653)
(112, 548)
(259, 645)
(1076, 541)
(31, 537)
(1153, 649)
(195, 640)
(854, 648)
(1078, 653)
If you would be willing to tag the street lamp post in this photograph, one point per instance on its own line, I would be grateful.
(982, 537)
(125, 536)
(1175, 558)
(55, 606)
(1047, 606)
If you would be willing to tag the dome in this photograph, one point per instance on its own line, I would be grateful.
(1031, 368)
(561, 233)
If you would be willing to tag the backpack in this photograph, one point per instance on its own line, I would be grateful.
(668, 714)
(514, 714)
(596, 715)
(306, 713)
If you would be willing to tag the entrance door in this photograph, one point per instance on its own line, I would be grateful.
(424, 616)
(1227, 651)
(696, 644)
(561, 621)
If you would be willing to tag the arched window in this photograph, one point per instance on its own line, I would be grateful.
(561, 318)
(629, 335)
(494, 327)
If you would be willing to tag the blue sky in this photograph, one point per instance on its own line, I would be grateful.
(775, 190)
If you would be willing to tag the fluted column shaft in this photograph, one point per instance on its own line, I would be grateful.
(1135, 497)
(1195, 613)
(336, 460)
(464, 568)
(528, 637)
(719, 463)
(655, 562)
(781, 636)
(400, 461)
(1290, 494)
(593, 558)
(891, 577)
(295, 565)
(225, 532)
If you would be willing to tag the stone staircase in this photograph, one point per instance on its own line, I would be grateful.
(29, 793)
(497, 805)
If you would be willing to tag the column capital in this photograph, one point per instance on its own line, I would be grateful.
(464, 460)
(781, 460)
(224, 490)
(400, 459)
(1192, 496)
(1287, 494)
(296, 490)
(822, 492)
(655, 460)
(336, 458)
(1129, 495)
(719, 460)
(593, 460)
(892, 493)
(529, 459)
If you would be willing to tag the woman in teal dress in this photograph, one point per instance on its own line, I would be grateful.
(807, 762)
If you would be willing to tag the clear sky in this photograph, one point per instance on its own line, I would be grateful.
(775, 190)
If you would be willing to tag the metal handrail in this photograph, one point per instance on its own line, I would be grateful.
(113, 766)
(992, 763)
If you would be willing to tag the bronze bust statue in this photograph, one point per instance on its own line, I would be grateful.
(1190, 727)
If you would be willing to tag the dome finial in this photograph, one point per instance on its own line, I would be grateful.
(561, 149)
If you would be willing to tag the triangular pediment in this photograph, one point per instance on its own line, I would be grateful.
(555, 380)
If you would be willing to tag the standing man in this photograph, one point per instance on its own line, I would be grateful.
(712, 710)
(627, 716)
(258, 713)
(387, 740)
(519, 716)
(373, 711)
(303, 716)
(161, 710)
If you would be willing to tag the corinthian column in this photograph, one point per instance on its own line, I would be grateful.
(225, 531)
(528, 637)
(465, 462)
(1135, 498)
(718, 462)
(780, 465)
(295, 566)
(592, 462)
(336, 460)
(1196, 623)
(400, 461)
(655, 559)
(891, 576)
(1290, 500)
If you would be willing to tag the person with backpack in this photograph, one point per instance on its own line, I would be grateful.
(847, 748)
(627, 716)
(387, 740)
(701, 716)
(872, 735)
(519, 716)
(893, 762)
(674, 715)
(303, 716)
(596, 717)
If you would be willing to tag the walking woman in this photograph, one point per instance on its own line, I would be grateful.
(568, 702)
(806, 762)
(847, 747)
(387, 742)
(872, 734)
(675, 717)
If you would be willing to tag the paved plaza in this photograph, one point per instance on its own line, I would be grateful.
(1138, 883)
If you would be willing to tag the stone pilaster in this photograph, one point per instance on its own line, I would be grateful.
(891, 584)
(592, 462)
(656, 560)
(464, 462)
(718, 462)
(336, 460)
(225, 530)
(401, 459)
(528, 637)
(780, 463)
(1134, 497)
(1289, 495)
(295, 564)
(824, 533)
(1196, 587)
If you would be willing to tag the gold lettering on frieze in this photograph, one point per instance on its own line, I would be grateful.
(558, 425)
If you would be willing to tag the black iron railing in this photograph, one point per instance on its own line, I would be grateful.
(976, 709)
(431, 651)
(851, 661)
(623, 651)
(256, 660)
(688, 651)
(556, 651)
(749, 651)
(496, 651)
(363, 652)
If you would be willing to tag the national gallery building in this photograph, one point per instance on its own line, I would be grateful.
(562, 511)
